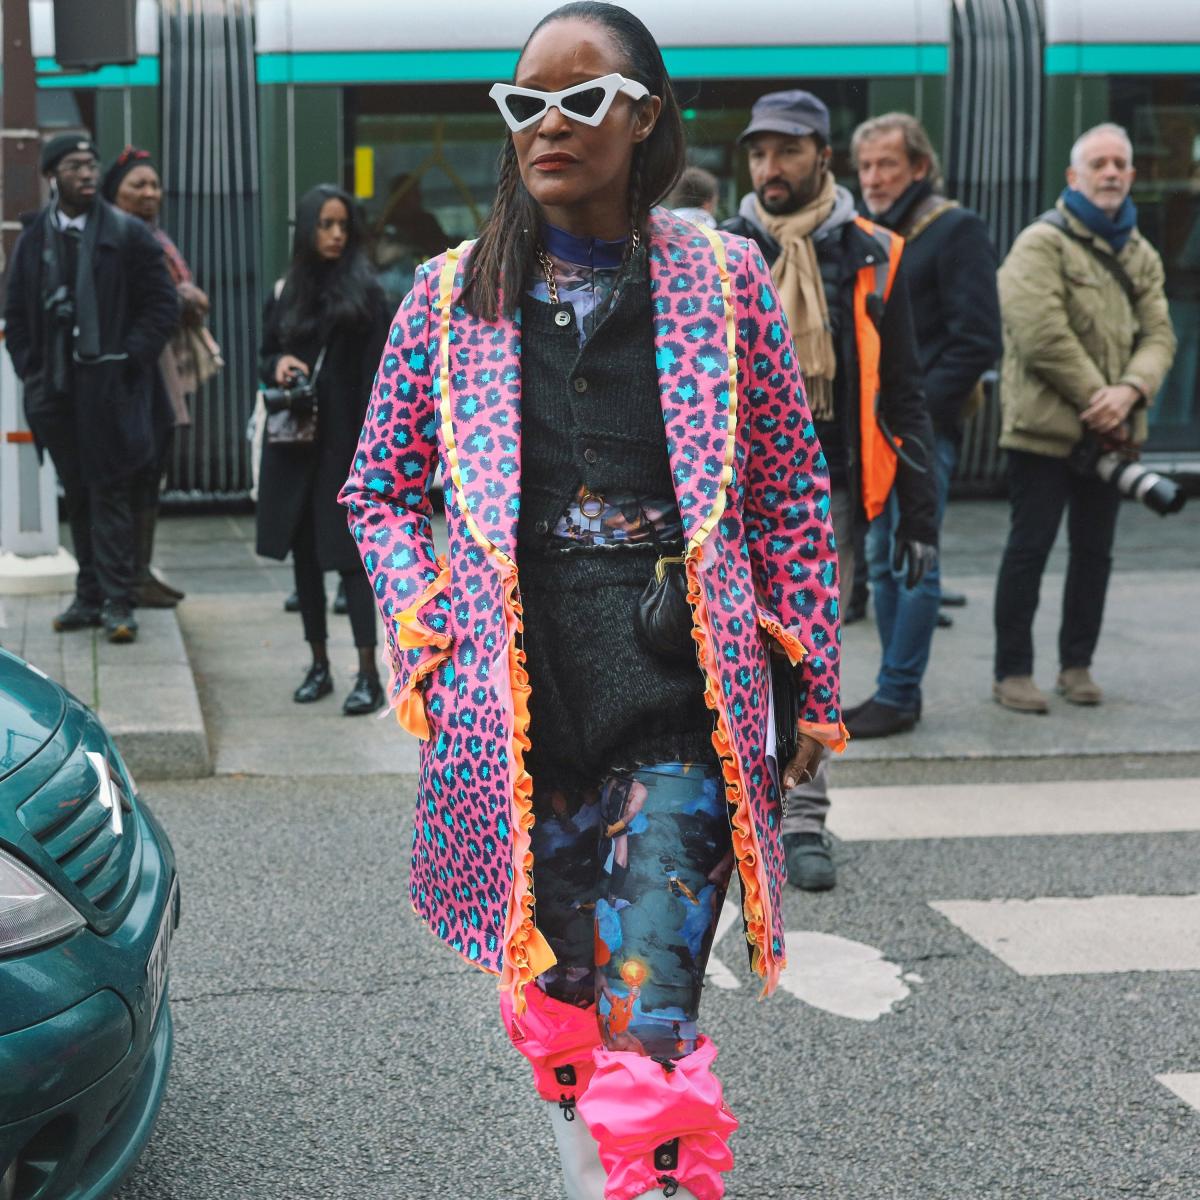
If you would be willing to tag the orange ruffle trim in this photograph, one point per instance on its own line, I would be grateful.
(411, 634)
(745, 837)
(526, 952)
(833, 736)
(409, 705)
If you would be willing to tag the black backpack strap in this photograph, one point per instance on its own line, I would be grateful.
(1107, 261)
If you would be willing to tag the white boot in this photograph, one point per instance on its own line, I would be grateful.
(582, 1172)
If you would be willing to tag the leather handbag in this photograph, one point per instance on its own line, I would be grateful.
(664, 616)
(785, 697)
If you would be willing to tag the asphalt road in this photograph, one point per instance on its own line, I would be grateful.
(328, 1047)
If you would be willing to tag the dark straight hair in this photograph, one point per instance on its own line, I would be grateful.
(319, 295)
(504, 253)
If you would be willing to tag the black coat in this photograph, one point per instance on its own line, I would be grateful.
(294, 480)
(951, 267)
(112, 420)
(841, 255)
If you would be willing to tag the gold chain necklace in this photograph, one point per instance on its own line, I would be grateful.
(548, 270)
(547, 266)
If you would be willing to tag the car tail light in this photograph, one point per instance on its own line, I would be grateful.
(31, 911)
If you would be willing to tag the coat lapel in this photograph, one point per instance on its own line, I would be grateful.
(693, 344)
(481, 419)
(481, 422)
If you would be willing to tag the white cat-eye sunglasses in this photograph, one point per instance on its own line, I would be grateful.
(585, 102)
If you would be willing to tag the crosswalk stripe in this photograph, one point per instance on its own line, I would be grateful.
(849, 979)
(1016, 810)
(1092, 936)
(1185, 1086)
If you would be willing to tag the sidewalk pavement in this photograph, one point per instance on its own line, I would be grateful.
(143, 692)
(246, 656)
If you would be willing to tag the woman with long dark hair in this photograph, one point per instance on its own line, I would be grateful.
(324, 322)
(637, 512)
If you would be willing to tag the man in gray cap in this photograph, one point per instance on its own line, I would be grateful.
(88, 309)
(842, 287)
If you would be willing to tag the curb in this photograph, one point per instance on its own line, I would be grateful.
(144, 692)
(146, 696)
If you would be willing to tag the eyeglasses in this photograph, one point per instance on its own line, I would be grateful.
(587, 102)
(79, 166)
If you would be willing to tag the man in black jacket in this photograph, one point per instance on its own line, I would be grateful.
(841, 282)
(89, 307)
(951, 268)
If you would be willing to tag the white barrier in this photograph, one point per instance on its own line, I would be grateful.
(31, 559)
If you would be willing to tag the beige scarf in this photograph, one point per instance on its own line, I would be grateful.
(797, 276)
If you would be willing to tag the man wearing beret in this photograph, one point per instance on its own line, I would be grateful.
(89, 307)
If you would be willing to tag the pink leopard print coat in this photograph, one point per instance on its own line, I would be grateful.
(752, 489)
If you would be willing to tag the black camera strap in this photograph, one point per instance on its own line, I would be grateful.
(318, 365)
(1107, 261)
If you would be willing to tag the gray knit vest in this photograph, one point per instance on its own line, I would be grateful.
(589, 415)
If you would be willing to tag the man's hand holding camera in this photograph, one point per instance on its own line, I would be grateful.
(1109, 406)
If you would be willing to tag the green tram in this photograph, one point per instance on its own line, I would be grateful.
(249, 102)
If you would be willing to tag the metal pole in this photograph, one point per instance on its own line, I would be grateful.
(19, 186)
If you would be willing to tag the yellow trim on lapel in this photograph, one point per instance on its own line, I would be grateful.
(718, 510)
(527, 954)
(445, 299)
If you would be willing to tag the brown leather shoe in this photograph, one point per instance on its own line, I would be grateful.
(1076, 685)
(1021, 694)
(152, 593)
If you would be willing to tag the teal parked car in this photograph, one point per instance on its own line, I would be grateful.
(89, 901)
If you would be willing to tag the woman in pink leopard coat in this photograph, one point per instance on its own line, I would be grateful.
(612, 395)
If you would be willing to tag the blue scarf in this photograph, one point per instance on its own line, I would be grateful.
(1114, 230)
(582, 251)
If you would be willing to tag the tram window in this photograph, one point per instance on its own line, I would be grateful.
(1162, 115)
(424, 161)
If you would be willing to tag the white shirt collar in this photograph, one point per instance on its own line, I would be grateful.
(65, 222)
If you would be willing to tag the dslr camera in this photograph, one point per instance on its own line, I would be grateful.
(298, 396)
(1114, 459)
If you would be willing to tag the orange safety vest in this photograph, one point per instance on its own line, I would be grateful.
(877, 448)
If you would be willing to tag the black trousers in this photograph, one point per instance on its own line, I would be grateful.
(101, 520)
(1040, 488)
(310, 590)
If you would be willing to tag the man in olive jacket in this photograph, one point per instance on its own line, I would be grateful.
(1087, 344)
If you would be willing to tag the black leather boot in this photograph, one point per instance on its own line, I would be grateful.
(317, 683)
(365, 697)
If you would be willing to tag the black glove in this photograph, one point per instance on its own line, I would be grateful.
(921, 557)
